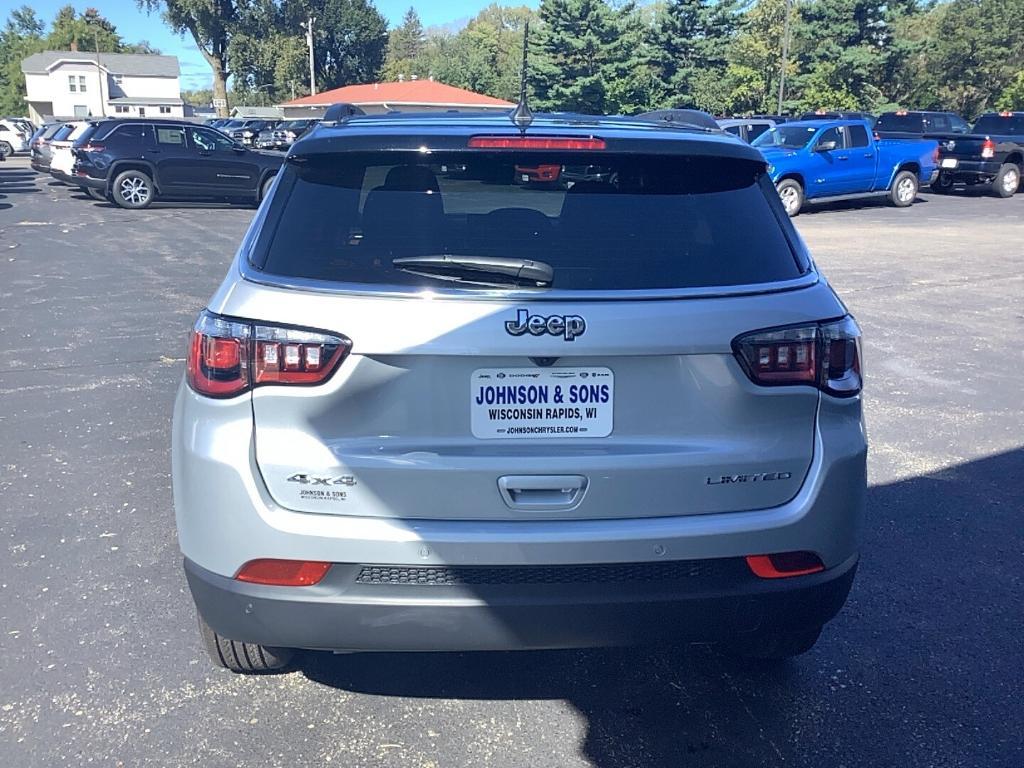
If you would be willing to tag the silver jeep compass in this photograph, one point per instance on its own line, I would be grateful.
(469, 386)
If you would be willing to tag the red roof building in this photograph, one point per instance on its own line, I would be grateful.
(405, 96)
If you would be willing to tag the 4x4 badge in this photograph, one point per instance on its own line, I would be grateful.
(566, 326)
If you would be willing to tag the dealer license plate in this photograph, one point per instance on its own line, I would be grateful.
(949, 162)
(524, 403)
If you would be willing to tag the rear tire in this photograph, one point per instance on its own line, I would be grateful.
(132, 190)
(1007, 181)
(775, 645)
(265, 189)
(943, 185)
(904, 189)
(6, 150)
(244, 658)
(792, 195)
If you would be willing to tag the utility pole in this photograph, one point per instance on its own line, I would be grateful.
(785, 55)
(309, 41)
(99, 71)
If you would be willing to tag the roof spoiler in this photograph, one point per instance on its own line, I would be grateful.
(691, 118)
(338, 112)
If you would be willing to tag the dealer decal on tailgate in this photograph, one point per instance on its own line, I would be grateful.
(549, 402)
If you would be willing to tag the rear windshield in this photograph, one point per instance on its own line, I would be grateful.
(793, 136)
(601, 223)
(1000, 126)
(909, 123)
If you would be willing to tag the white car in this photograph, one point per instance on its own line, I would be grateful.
(62, 161)
(12, 138)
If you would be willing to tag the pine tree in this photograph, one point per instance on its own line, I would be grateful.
(690, 41)
(405, 44)
(574, 55)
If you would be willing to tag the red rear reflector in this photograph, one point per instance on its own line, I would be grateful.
(536, 142)
(785, 564)
(283, 573)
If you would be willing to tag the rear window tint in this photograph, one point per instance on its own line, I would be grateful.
(1000, 126)
(602, 223)
(909, 123)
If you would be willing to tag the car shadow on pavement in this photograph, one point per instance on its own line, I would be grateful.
(941, 567)
(812, 207)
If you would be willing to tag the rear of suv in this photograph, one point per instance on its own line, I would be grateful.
(432, 408)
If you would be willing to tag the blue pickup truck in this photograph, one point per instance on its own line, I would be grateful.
(817, 159)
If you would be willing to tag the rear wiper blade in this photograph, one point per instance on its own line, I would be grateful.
(449, 267)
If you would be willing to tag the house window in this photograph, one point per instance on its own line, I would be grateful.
(117, 79)
(121, 110)
(165, 110)
(73, 83)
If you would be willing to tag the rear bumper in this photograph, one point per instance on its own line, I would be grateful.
(972, 171)
(701, 601)
(91, 183)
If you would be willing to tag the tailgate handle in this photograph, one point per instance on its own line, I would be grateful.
(540, 492)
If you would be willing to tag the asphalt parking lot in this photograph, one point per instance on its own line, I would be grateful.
(101, 662)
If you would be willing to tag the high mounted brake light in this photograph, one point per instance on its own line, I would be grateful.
(822, 355)
(227, 357)
(536, 142)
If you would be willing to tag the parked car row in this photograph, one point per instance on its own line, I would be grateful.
(264, 133)
(134, 162)
(828, 155)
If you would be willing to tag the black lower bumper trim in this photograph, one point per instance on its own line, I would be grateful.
(342, 614)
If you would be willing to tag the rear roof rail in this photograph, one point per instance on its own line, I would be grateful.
(691, 118)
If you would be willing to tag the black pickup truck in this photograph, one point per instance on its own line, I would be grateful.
(992, 153)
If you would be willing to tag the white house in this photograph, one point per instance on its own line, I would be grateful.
(66, 84)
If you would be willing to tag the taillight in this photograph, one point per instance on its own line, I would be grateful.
(935, 154)
(536, 142)
(988, 149)
(90, 147)
(823, 355)
(227, 357)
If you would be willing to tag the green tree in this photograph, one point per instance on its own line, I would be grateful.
(88, 32)
(839, 46)
(576, 55)
(405, 44)
(1012, 97)
(21, 36)
(351, 38)
(978, 49)
(211, 24)
(689, 41)
(755, 59)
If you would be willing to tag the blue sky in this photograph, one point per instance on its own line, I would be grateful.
(135, 25)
